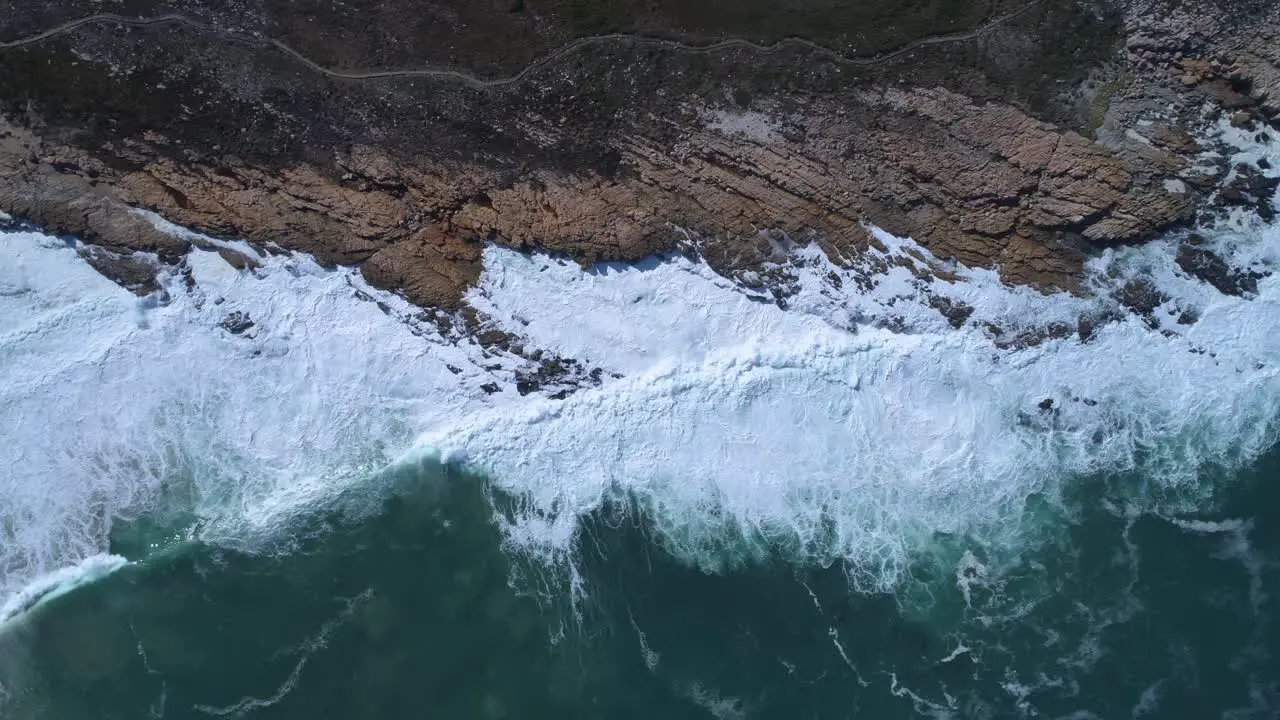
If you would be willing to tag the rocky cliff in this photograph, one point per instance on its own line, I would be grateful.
(400, 136)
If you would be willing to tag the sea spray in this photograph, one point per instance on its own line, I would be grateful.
(855, 426)
(115, 407)
(1044, 512)
(829, 436)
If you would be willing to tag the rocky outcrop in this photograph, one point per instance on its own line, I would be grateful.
(54, 193)
(1227, 51)
(431, 268)
(613, 155)
(1202, 264)
(980, 182)
(296, 208)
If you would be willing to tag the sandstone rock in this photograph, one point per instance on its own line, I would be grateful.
(432, 268)
(296, 208)
(1175, 138)
(979, 182)
(237, 260)
(67, 202)
(975, 180)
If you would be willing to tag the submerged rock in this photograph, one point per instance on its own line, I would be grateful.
(1206, 266)
(236, 323)
(136, 272)
(956, 312)
(1141, 296)
(1250, 188)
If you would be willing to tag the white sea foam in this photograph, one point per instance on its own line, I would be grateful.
(60, 581)
(735, 424)
(739, 421)
(850, 445)
(112, 404)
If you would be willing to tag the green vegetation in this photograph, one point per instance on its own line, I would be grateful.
(1102, 102)
(597, 17)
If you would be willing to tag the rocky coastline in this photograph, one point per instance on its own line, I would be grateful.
(1019, 137)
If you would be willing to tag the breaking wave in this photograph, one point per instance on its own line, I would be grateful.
(825, 434)
(115, 407)
(855, 426)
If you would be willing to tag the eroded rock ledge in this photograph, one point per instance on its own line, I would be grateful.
(613, 155)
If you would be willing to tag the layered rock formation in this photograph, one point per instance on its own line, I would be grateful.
(612, 151)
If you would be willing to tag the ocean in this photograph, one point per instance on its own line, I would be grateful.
(841, 508)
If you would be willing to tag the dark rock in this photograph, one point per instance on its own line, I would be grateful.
(1036, 336)
(564, 375)
(1058, 330)
(238, 260)
(1207, 266)
(1250, 188)
(494, 338)
(956, 312)
(1084, 328)
(1231, 195)
(892, 323)
(133, 271)
(236, 323)
(1243, 119)
(1142, 297)
(1254, 182)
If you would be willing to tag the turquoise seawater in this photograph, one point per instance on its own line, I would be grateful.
(408, 606)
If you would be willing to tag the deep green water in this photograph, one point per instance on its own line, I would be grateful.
(410, 608)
